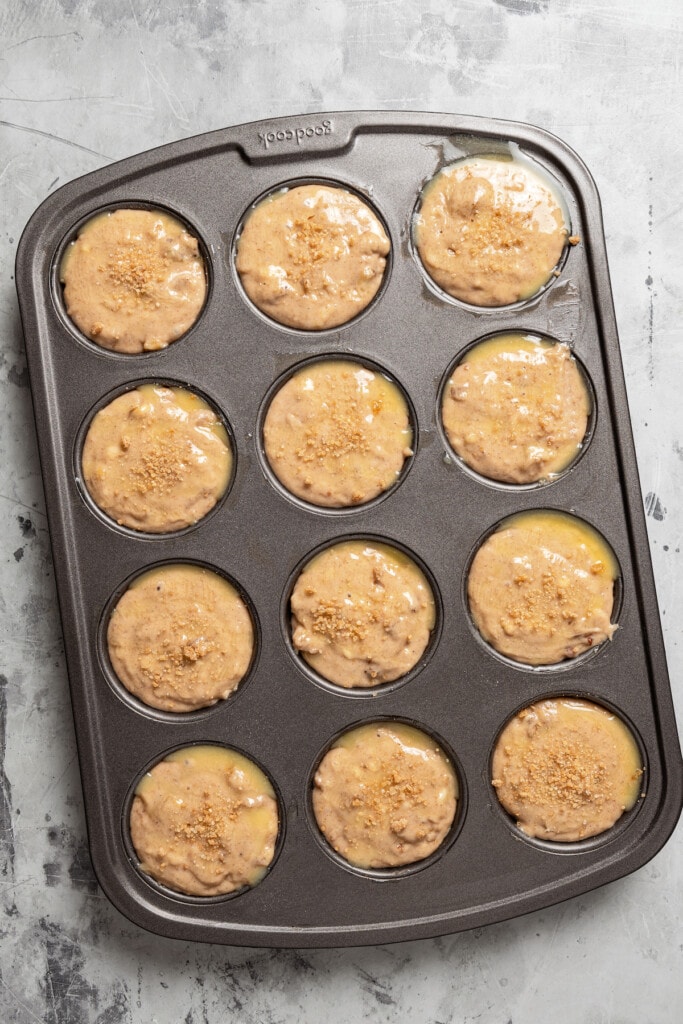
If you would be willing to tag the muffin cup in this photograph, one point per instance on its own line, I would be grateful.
(501, 484)
(57, 288)
(584, 845)
(135, 702)
(395, 873)
(81, 435)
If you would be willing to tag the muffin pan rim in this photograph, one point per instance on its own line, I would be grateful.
(351, 128)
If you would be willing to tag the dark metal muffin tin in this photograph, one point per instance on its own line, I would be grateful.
(280, 717)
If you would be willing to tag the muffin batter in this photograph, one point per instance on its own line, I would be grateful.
(180, 638)
(516, 408)
(362, 614)
(385, 795)
(337, 434)
(134, 280)
(204, 821)
(566, 769)
(541, 588)
(490, 230)
(312, 257)
(156, 459)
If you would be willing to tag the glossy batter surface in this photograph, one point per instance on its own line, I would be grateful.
(362, 613)
(134, 280)
(490, 231)
(566, 769)
(156, 458)
(180, 638)
(204, 821)
(385, 795)
(337, 434)
(516, 408)
(312, 257)
(541, 588)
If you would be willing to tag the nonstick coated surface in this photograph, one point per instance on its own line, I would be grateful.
(280, 716)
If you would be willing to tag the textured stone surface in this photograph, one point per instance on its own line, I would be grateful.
(84, 82)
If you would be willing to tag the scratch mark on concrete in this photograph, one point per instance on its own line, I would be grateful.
(6, 827)
(651, 306)
(52, 99)
(66, 991)
(30, 39)
(19, 1002)
(55, 138)
(20, 504)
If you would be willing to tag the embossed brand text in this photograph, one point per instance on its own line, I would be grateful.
(297, 135)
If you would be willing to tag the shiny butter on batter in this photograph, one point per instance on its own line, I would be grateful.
(516, 408)
(180, 638)
(541, 588)
(566, 769)
(156, 459)
(204, 821)
(134, 280)
(385, 795)
(362, 614)
(490, 230)
(312, 257)
(337, 434)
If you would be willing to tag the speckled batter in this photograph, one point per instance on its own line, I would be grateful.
(156, 459)
(362, 613)
(312, 257)
(541, 588)
(204, 821)
(566, 769)
(385, 795)
(180, 638)
(516, 408)
(490, 231)
(134, 280)
(337, 434)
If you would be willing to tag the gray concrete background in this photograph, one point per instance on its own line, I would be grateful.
(84, 82)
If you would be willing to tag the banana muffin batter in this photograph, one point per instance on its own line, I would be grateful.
(204, 821)
(180, 638)
(312, 257)
(566, 769)
(362, 614)
(134, 280)
(541, 588)
(156, 458)
(490, 231)
(516, 408)
(385, 795)
(337, 434)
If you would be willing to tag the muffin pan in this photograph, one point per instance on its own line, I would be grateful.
(258, 536)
